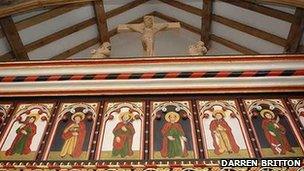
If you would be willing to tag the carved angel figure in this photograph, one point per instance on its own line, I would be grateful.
(198, 48)
(103, 51)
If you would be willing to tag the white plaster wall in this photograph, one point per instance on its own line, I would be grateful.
(130, 15)
(167, 43)
(56, 24)
(253, 19)
(28, 14)
(64, 44)
(182, 15)
(246, 40)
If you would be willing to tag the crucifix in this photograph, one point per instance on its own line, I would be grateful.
(148, 28)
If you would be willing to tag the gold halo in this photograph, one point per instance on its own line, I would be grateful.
(218, 111)
(35, 115)
(264, 111)
(80, 114)
(126, 113)
(172, 113)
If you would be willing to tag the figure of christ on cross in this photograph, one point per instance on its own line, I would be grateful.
(148, 29)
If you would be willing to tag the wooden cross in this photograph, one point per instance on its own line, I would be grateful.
(148, 28)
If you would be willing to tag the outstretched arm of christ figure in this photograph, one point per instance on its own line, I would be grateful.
(165, 26)
(130, 28)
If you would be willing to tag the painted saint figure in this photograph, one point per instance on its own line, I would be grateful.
(174, 140)
(223, 140)
(123, 135)
(275, 133)
(23, 140)
(74, 135)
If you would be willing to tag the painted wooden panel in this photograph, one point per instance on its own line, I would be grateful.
(172, 132)
(122, 131)
(4, 109)
(148, 131)
(274, 128)
(72, 132)
(223, 130)
(298, 106)
(23, 135)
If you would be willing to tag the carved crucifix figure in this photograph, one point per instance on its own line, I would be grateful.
(148, 29)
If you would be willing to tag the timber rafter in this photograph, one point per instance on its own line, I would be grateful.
(67, 31)
(293, 3)
(27, 5)
(74, 4)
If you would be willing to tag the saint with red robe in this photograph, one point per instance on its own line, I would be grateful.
(73, 136)
(174, 140)
(23, 140)
(223, 139)
(123, 136)
(275, 133)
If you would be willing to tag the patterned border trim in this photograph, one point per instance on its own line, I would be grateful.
(159, 75)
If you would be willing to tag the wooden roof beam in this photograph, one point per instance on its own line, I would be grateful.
(231, 23)
(183, 6)
(10, 31)
(125, 7)
(213, 37)
(206, 22)
(250, 30)
(27, 5)
(65, 32)
(87, 44)
(293, 3)
(101, 20)
(296, 32)
(28, 22)
(262, 10)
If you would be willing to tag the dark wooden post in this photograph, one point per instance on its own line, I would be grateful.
(296, 32)
(206, 22)
(10, 31)
(101, 21)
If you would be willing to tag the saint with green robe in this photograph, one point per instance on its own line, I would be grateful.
(123, 136)
(23, 140)
(174, 140)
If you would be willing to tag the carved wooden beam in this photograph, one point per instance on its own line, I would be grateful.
(296, 32)
(10, 31)
(101, 20)
(206, 22)
(26, 5)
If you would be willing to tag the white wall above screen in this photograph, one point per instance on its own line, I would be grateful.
(167, 43)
